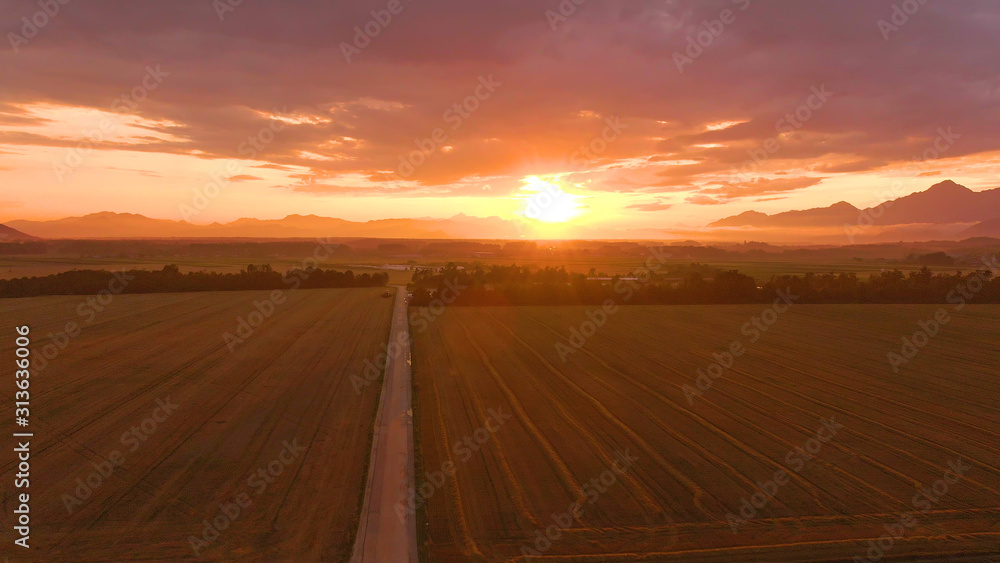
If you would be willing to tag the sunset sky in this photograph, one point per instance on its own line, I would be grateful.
(263, 93)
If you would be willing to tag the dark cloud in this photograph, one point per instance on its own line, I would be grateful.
(759, 187)
(609, 59)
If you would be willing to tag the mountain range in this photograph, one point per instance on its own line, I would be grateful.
(989, 228)
(945, 211)
(129, 225)
(8, 234)
(944, 203)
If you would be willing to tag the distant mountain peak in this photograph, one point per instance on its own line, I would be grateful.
(112, 214)
(839, 212)
(949, 186)
(944, 203)
(843, 205)
(9, 234)
(746, 215)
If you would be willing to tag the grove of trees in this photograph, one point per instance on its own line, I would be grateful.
(171, 280)
(517, 285)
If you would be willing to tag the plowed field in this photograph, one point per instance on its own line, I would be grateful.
(192, 431)
(697, 461)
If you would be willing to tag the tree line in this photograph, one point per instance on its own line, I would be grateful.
(514, 285)
(171, 280)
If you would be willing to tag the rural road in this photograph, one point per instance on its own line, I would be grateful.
(382, 536)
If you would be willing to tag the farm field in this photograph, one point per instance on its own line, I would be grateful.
(268, 444)
(696, 463)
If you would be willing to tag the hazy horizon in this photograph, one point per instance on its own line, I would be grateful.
(944, 211)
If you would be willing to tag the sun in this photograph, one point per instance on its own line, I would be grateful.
(547, 202)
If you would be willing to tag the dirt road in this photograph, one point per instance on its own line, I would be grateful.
(385, 534)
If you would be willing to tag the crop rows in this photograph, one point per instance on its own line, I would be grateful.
(281, 401)
(697, 460)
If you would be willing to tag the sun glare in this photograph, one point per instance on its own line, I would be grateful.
(547, 202)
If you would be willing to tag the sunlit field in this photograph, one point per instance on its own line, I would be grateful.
(148, 425)
(805, 448)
